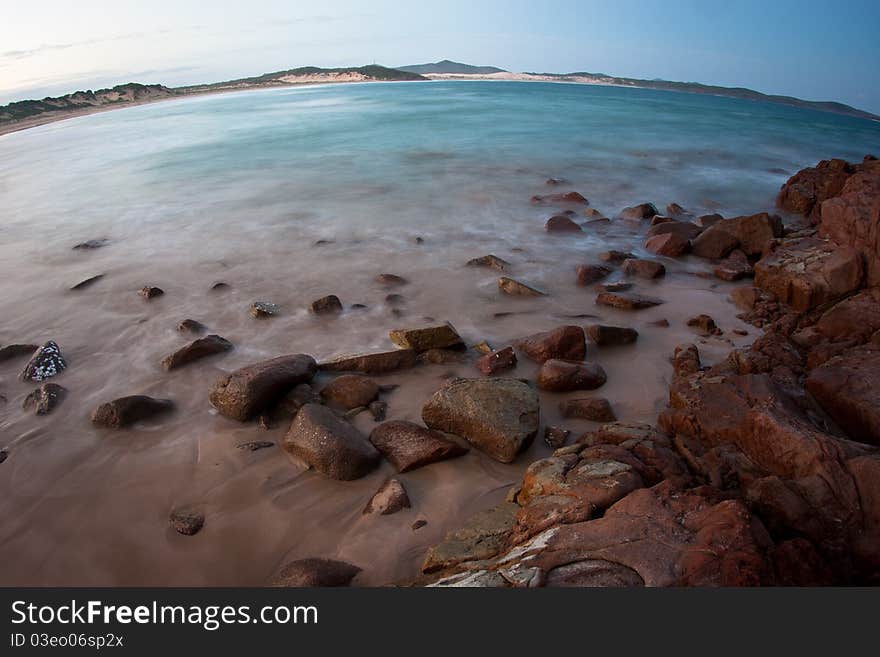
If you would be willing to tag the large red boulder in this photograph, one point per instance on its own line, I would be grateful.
(806, 190)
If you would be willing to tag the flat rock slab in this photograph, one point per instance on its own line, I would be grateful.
(497, 416)
(443, 336)
(625, 301)
(210, 345)
(408, 446)
(378, 363)
(311, 573)
(330, 444)
(252, 389)
(44, 399)
(44, 364)
(125, 411)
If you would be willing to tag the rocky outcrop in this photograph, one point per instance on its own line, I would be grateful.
(408, 446)
(497, 416)
(752, 234)
(252, 389)
(805, 191)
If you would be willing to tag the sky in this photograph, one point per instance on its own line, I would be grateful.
(812, 49)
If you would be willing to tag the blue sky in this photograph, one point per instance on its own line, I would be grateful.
(813, 49)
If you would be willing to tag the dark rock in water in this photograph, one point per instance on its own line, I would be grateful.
(659, 219)
(497, 416)
(45, 363)
(91, 245)
(442, 356)
(639, 212)
(686, 360)
(220, 287)
(661, 323)
(643, 268)
(323, 242)
(567, 197)
(707, 220)
(408, 446)
(517, 288)
(326, 305)
(668, 245)
(611, 336)
(378, 409)
(82, 285)
(565, 376)
(555, 437)
(418, 524)
(483, 536)
(11, 351)
(419, 240)
(443, 336)
(390, 498)
(391, 280)
(252, 389)
(125, 411)
(626, 301)
(44, 399)
(553, 182)
(358, 306)
(705, 324)
(286, 409)
(676, 211)
(491, 261)
(394, 299)
(615, 256)
(350, 391)
(255, 445)
(331, 445)
(594, 215)
(589, 274)
(561, 223)
(264, 309)
(149, 292)
(313, 573)
(734, 267)
(5, 455)
(617, 286)
(378, 363)
(683, 229)
(191, 326)
(210, 345)
(565, 343)
(595, 409)
(188, 522)
(497, 361)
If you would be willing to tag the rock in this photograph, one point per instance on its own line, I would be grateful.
(497, 416)
(87, 282)
(517, 288)
(567, 197)
(331, 445)
(91, 245)
(611, 336)
(564, 343)
(394, 300)
(12, 351)
(668, 245)
(660, 323)
(626, 301)
(390, 498)
(490, 261)
(326, 305)
(615, 256)
(808, 272)
(706, 220)
(848, 389)
(675, 210)
(745, 297)
(589, 274)
(853, 320)
(409, 446)
(705, 324)
(44, 399)
(391, 280)
(595, 409)
(555, 437)
(255, 445)
(442, 356)
(734, 267)
(350, 391)
(378, 363)
(44, 364)
(443, 336)
(714, 243)
(497, 361)
(754, 234)
(210, 345)
(805, 191)
(188, 522)
(264, 309)
(553, 182)
(643, 268)
(149, 292)
(684, 230)
(617, 286)
(191, 326)
(220, 287)
(248, 391)
(3, 455)
(378, 409)
(594, 215)
(639, 212)
(565, 376)
(125, 411)
(313, 573)
(686, 360)
(561, 223)
(660, 219)
(483, 535)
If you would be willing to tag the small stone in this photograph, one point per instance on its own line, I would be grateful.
(556, 437)
(595, 409)
(483, 347)
(82, 285)
(187, 521)
(377, 363)
(490, 261)
(553, 182)
(498, 361)
(44, 364)
(125, 411)
(567, 197)
(517, 288)
(263, 309)
(326, 305)
(409, 446)
(589, 274)
(643, 268)
(418, 524)
(378, 409)
(220, 287)
(617, 286)
(210, 345)
(44, 399)
(391, 280)
(661, 323)
(149, 292)
(191, 326)
(390, 498)
(742, 332)
(443, 336)
(255, 445)
(639, 212)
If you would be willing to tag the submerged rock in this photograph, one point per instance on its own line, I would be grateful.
(331, 445)
(490, 261)
(44, 399)
(313, 573)
(126, 411)
(351, 391)
(564, 343)
(210, 345)
(391, 280)
(443, 336)
(246, 392)
(497, 361)
(82, 285)
(45, 363)
(191, 326)
(561, 223)
(564, 376)
(149, 292)
(589, 274)
(668, 245)
(326, 305)
(390, 498)
(91, 245)
(561, 198)
(408, 446)
(643, 268)
(517, 288)
(611, 336)
(378, 363)
(615, 256)
(639, 212)
(497, 416)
